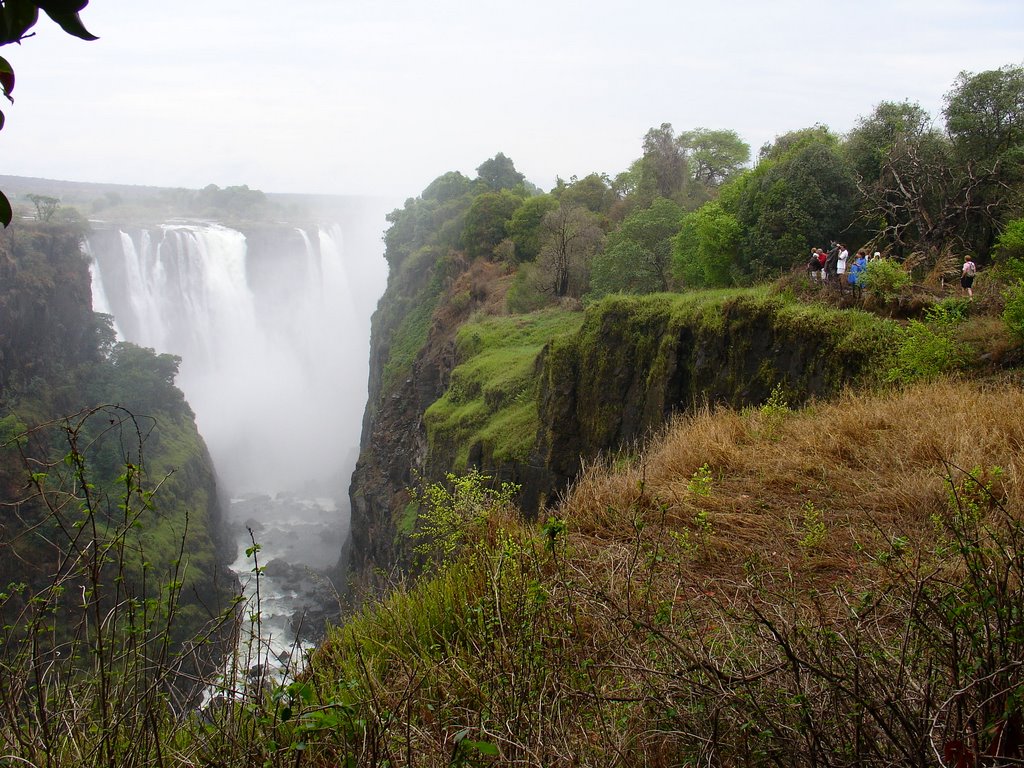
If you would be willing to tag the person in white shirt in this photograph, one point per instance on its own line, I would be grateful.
(841, 264)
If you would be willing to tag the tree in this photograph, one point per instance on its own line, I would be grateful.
(486, 221)
(638, 256)
(664, 169)
(593, 192)
(802, 194)
(499, 173)
(917, 198)
(707, 247)
(985, 120)
(875, 136)
(447, 186)
(45, 206)
(571, 237)
(985, 115)
(525, 225)
(17, 17)
(713, 156)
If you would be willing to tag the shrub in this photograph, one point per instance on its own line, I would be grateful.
(455, 512)
(928, 349)
(526, 294)
(886, 279)
(1010, 243)
(1013, 311)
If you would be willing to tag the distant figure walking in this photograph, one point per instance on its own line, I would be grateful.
(967, 274)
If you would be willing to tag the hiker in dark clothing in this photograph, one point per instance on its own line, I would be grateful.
(832, 263)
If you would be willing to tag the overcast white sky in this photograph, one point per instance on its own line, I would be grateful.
(381, 96)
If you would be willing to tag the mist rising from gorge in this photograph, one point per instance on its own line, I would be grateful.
(272, 326)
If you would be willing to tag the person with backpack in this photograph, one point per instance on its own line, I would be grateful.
(967, 274)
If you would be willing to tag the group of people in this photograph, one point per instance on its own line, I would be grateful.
(833, 266)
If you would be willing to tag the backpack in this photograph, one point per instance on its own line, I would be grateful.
(970, 269)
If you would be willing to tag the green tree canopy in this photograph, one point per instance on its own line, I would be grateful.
(706, 250)
(593, 192)
(802, 194)
(499, 173)
(448, 186)
(713, 156)
(874, 137)
(663, 167)
(486, 222)
(985, 114)
(638, 255)
(524, 228)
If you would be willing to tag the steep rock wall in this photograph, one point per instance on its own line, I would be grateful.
(637, 361)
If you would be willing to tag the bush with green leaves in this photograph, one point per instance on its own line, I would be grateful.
(885, 279)
(453, 512)
(928, 349)
(1010, 243)
(1013, 309)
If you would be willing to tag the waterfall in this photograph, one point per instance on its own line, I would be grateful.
(272, 337)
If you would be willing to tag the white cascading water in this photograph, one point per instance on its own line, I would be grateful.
(274, 344)
(276, 374)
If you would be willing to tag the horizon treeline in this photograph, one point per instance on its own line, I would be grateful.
(694, 211)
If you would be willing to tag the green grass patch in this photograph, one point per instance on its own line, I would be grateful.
(492, 394)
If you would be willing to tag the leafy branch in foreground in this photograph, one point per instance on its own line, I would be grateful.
(92, 670)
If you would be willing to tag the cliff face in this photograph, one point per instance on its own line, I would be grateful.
(636, 361)
(528, 398)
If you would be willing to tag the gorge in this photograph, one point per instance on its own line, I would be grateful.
(271, 323)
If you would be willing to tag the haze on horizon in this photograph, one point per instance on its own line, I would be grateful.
(318, 96)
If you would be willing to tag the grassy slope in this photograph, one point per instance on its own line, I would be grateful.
(492, 395)
(812, 597)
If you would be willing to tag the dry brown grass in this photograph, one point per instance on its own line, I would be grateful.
(765, 617)
(872, 466)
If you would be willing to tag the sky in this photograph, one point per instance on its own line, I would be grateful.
(379, 97)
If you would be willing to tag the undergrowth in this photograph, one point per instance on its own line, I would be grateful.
(837, 585)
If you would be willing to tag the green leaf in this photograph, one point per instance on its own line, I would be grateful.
(483, 747)
(71, 24)
(6, 213)
(19, 16)
(6, 78)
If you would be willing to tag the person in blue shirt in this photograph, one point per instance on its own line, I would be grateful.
(856, 274)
